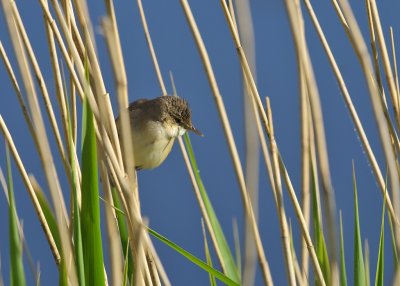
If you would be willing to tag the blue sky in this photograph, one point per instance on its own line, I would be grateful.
(166, 193)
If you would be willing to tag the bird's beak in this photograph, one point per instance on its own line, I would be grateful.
(191, 128)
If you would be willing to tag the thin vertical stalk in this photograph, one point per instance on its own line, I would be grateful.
(257, 101)
(280, 208)
(316, 112)
(305, 168)
(353, 112)
(44, 147)
(360, 47)
(385, 60)
(31, 191)
(231, 143)
(245, 27)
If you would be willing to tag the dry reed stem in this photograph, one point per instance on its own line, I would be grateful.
(25, 178)
(151, 48)
(301, 278)
(104, 107)
(353, 112)
(73, 118)
(99, 87)
(314, 166)
(375, 51)
(305, 168)
(385, 60)
(252, 152)
(266, 127)
(58, 82)
(264, 145)
(100, 90)
(157, 261)
(30, 126)
(40, 80)
(316, 111)
(142, 275)
(114, 241)
(375, 56)
(68, 61)
(302, 222)
(44, 148)
(365, 61)
(43, 88)
(121, 83)
(305, 153)
(62, 102)
(230, 140)
(111, 14)
(74, 122)
(133, 218)
(112, 40)
(280, 207)
(396, 75)
(17, 89)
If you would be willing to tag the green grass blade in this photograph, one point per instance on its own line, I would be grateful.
(230, 266)
(77, 233)
(343, 275)
(379, 276)
(213, 282)
(53, 226)
(194, 259)
(123, 232)
(16, 258)
(359, 270)
(366, 262)
(62, 274)
(77, 237)
(50, 218)
(320, 245)
(394, 249)
(90, 213)
(126, 265)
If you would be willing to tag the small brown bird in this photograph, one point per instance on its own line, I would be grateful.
(155, 124)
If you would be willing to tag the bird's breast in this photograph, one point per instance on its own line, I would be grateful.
(153, 142)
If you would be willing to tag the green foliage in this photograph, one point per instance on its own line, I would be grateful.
(193, 259)
(343, 275)
(319, 240)
(228, 261)
(16, 258)
(359, 270)
(379, 277)
(208, 256)
(90, 211)
(123, 234)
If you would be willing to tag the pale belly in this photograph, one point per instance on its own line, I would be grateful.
(152, 145)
